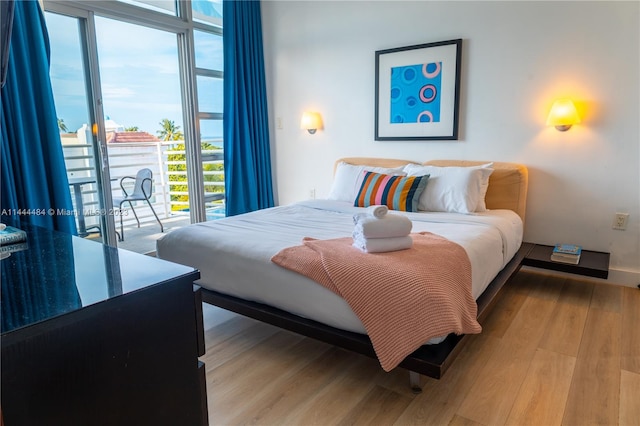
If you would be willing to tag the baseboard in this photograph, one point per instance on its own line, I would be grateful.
(616, 276)
(623, 277)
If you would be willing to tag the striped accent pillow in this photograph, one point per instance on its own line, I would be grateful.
(396, 192)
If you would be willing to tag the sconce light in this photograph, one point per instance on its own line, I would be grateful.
(311, 121)
(563, 115)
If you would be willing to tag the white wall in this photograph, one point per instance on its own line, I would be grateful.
(518, 57)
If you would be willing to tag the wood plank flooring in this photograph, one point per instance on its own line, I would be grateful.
(554, 351)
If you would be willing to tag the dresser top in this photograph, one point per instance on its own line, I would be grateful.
(58, 273)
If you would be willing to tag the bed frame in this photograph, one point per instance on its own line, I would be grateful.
(507, 189)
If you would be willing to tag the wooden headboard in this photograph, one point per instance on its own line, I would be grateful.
(508, 183)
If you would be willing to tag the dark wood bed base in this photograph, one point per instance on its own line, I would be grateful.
(429, 360)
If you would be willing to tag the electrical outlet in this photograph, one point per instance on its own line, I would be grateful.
(312, 193)
(620, 221)
(279, 123)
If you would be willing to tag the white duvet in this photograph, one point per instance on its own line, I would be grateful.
(234, 254)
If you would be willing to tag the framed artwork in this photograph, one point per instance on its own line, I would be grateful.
(418, 92)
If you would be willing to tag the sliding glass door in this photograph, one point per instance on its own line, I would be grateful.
(140, 76)
(139, 88)
(77, 93)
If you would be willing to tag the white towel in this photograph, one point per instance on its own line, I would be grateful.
(378, 211)
(391, 225)
(381, 245)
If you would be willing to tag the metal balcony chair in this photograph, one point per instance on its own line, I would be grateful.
(142, 190)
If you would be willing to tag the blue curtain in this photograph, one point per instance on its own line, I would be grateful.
(247, 158)
(34, 179)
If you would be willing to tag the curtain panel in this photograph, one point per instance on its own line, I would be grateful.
(34, 184)
(247, 158)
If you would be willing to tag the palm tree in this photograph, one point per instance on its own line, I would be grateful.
(61, 126)
(169, 131)
(131, 129)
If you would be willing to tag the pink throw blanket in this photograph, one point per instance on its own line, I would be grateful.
(403, 298)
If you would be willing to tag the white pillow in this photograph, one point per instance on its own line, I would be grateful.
(348, 179)
(484, 185)
(453, 189)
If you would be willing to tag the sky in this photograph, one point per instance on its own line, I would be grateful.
(139, 73)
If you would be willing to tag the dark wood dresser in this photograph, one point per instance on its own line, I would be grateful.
(94, 335)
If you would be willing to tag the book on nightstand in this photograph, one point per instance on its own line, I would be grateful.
(11, 235)
(6, 250)
(566, 253)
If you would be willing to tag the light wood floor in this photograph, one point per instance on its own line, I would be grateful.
(554, 351)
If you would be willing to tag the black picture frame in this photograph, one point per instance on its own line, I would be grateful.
(417, 93)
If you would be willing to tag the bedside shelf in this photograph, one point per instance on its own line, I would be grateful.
(592, 263)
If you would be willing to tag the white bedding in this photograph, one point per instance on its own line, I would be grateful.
(233, 254)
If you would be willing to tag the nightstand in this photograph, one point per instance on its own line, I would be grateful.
(592, 263)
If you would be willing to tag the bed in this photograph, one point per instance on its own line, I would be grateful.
(234, 255)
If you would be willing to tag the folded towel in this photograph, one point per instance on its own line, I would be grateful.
(378, 211)
(381, 245)
(391, 225)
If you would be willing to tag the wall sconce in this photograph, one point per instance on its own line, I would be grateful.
(563, 115)
(311, 121)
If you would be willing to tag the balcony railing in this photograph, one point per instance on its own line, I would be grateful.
(167, 161)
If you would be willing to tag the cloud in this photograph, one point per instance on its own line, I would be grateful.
(117, 92)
